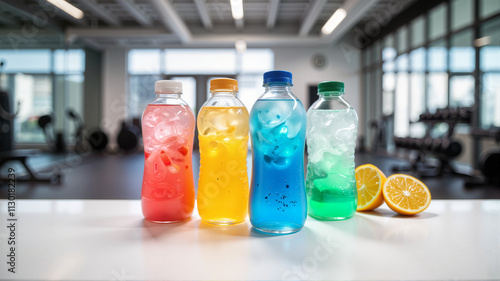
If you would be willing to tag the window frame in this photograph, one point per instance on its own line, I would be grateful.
(406, 20)
(54, 75)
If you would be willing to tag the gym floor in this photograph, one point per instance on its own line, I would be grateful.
(120, 176)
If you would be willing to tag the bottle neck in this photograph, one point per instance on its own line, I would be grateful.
(223, 94)
(223, 99)
(278, 91)
(331, 95)
(168, 95)
(278, 87)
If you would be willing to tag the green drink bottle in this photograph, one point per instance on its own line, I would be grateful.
(331, 139)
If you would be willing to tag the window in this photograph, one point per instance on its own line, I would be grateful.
(144, 61)
(462, 54)
(402, 35)
(250, 89)
(69, 61)
(26, 61)
(431, 62)
(461, 90)
(207, 61)
(418, 32)
(490, 56)
(72, 95)
(177, 64)
(490, 69)
(402, 63)
(488, 8)
(461, 13)
(417, 91)
(141, 92)
(438, 56)
(188, 90)
(437, 91)
(389, 85)
(490, 51)
(437, 22)
(45, 82)
(417, 102)
(388, 76)
(257, 61)
(367, 83)
(69, 66)
(401, 116)
(389, 66)
(490, 106)
(389, 52)
(254, 63)
(437, 86)
(377, 90)
(34, 92)
(417, 60)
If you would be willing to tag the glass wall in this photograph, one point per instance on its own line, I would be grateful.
(43, 82)
(490, 71)
(437, 60)
(145, 66)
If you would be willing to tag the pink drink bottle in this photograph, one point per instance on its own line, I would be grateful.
(168, 133)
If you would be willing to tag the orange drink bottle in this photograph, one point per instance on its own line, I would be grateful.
(223, 135)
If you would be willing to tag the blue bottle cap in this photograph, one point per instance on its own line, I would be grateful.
(278, 76)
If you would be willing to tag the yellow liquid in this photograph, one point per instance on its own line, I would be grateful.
(223, 183)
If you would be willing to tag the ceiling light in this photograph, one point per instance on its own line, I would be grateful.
(240, 46)
(334, 21)
(237, 9)
(67, 8)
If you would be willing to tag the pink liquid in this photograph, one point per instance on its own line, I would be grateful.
(168, 185)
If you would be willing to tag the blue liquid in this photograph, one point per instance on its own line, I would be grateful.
(277, 193)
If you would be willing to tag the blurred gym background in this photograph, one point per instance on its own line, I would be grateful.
(424, 77)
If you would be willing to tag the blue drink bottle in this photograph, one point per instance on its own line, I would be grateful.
(277, 129)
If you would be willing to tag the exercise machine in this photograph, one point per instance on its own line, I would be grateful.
(128, 137)
(7, 152)
(96, 141)
(55, 140)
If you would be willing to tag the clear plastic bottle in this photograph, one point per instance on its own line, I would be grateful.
(168, 133)
(331, 139)
(223, 134)
(278, 127)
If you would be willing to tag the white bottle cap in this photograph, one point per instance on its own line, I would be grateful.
(168, 86)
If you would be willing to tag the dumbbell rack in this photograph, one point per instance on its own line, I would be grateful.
(443, 149)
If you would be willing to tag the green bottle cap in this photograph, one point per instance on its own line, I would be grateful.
(330, 86)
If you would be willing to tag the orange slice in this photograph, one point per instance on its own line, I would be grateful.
(406, 195)
(369, 181)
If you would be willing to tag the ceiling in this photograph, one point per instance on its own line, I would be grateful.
(190, 23)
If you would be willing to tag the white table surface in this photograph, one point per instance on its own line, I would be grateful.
(109, 240)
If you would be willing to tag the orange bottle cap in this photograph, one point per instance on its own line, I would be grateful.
(223, 84)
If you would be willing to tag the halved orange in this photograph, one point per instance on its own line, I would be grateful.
(369, 181)
(406, 195)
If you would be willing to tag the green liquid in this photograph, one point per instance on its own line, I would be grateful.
(339, 208)
(333, 197)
